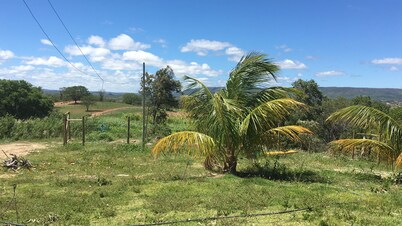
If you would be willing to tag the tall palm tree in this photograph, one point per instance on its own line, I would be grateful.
(383, 132)
(242, 118)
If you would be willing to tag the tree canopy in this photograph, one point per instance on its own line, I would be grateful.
(22, 100)
(132, 98)
(75, 93)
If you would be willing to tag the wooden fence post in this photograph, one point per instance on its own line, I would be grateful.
(128, 130)
(64, 129)
(68, 126)
(83, 130)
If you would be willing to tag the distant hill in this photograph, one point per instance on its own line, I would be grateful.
(381, 94)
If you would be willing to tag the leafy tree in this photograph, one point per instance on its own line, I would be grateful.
(161, 100)
(22, 100)
(159, 89)
(383, 134)
(367, 101)
(333, 131)
(88, 100)
(310, 95)
(396, 113)
(75, 93)
(132, 98)
(242, 118)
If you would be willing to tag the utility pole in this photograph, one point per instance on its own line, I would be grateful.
(143, 107)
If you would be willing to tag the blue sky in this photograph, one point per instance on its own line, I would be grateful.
(337, 43)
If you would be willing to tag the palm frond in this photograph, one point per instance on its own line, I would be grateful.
(276, 153)
(268, 114)
(272, 93)
(195, 83)
(368, 117)
(349, 145)
(398, 161)
(250, 75)
(290, 132)
(187, 141)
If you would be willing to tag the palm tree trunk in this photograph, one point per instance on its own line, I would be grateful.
(230, 163)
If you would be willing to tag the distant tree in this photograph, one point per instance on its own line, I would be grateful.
(332, 131)
(101, 95)
(367, 101)
(132, 98)
(22, 100)
(75, 93)
(310, 95)
(396, 113)
(88, 100)
(161, 87)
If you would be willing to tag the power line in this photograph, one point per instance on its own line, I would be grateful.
(65, 27)
(44, 32)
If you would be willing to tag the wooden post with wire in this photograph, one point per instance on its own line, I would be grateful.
(143, 106)
(65, 124)
(67, 128)
(128, 129)
(83, 130)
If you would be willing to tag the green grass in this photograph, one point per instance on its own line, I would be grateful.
(107, 183)
(119, 184)
(79, 110)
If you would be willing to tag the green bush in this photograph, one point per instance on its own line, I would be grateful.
(6, 126)
(47, 127)
(100, 136)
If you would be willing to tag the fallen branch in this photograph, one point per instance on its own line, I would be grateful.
(16, 162)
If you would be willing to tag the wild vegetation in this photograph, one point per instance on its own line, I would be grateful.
(22, 100)
(240, 129)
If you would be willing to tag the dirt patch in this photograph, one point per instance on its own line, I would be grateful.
(382, 174)
(177, 114)
(63, 103)
(20, 148)
(93, 114)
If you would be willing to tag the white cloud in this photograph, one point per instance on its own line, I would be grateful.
(182, 68)
(329, 73)
(51, 61)
(96, 40)
(393, 68)
(95, 54)
(162, 42)
(125, 42)
(311, 58)
(16, 69)
(46, 42)
(285, 48)
(396, 61)
(202, 46)
(118, 64)
(135, 30)
(141, 56)
(5, 55)
(234, 53)
(290, 64)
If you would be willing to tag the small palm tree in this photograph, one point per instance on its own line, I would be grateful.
(242, 118)
(384, 132)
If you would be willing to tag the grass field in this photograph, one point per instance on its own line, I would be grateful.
(108, 183)
(79, 110)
